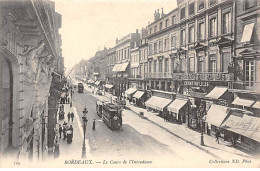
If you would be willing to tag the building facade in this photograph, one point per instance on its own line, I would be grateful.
(31, 59)
(123, 53)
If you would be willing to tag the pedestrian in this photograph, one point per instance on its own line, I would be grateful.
(56, 149)
(94, 124)
(217, 136)
(68, 115)
(56, 130)
(72, 116)
(68, 99)
(60, 130)
(64, 132)
(71, 129)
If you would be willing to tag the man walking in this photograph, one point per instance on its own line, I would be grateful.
(94, 125)
(60, 130)
(72, 116)
(69, 116)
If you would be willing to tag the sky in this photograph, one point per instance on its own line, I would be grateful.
(89, 25)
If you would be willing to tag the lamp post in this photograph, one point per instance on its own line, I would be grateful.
(201, 121)
(84, 119)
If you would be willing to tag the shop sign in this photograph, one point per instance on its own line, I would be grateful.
(196, 83)
(204, 76)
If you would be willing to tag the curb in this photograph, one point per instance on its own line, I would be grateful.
(187, 141)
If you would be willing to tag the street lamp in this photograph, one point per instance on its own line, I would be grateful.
(201, 122)
(84, 119)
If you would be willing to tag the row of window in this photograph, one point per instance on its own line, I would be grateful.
(202, 5)
(188, 64)
(166, 24)
(123, 54)
(226, 28)
(162, 45)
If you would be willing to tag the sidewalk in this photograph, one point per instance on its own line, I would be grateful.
(74, 149)
(223, 150)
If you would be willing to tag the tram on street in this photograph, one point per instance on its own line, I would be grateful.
(112, 116)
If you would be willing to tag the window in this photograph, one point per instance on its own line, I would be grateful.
(201, 4)
(249, 73)
(166, 44)
(182, 37)
(182, 13)
(201, 65)
(201, 31)
(128, 52)
(212, 64)
(226, 22)
(191, 34)
(150, 66)
(150, 30)
(150, 48)
(160, 65)
(166, 23)
(173, 41)
(154, 66)
(166, 65)
(191, 8)
(160, 25)
(250, 4)
(212, 2)
(173, 19)
(155, 28)
(144, 53)
(160, 46)
(226, 57)
(191, 64)
(155, 47)
(183, 64)
(213, 27)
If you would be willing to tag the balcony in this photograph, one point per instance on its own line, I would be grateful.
(243, 85)
(136, 76)
(158, 75)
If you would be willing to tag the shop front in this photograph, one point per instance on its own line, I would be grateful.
(109, 88)
(244, 129)
(215, 117)
(158, 104)
(139, 98)
(129, 94)
(178, 110)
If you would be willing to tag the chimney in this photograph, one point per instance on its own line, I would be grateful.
(136, 31)
(162, 15)
(116, 40)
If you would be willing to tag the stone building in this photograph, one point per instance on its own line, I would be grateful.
(30, 61)
(162, 42)
(123, 52)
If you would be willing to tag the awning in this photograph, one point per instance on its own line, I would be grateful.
(247, 32)
(138, 94)
(216, 114)
(130, 91)
(123, 66)
(97, 83)
(216, 93)
(176, 105)
(256, 105)
(243, 124)
(243, 102)
(115, 68)
(109, 85)
(157, 103)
